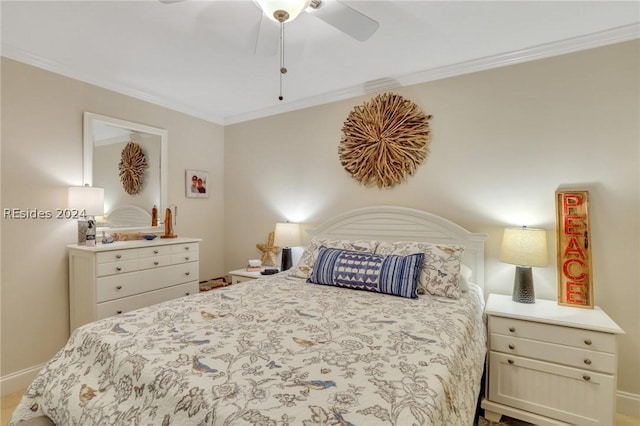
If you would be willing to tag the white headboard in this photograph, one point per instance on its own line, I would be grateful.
(390, 223)
(128, 216)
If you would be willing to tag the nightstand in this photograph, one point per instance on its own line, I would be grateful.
(241, 275)
(550, 364)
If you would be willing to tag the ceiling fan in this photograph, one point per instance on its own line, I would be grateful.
(278, 12)
(334, 12)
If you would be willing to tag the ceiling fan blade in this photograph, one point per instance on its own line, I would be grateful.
(268, 37)
(344, 18)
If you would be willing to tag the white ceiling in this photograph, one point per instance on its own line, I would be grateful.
(198, 56)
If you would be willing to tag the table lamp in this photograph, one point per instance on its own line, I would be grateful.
(287, 235)
(524, 247)
(87, 201)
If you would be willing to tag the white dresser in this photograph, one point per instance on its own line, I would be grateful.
(109, 279)
(550, 364)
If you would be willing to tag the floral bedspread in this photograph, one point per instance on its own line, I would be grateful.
(275, 351)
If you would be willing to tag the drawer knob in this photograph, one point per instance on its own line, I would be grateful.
(512, 329)
(187, 293)
(118, 256)
(118, 312)
(512, 347)
(586, 377)
(187, 273)
(156, 252)
(118, 268)
(510, 361)
(186, 247)
(156, 263)
(588, 342)
(587, 361)
(187, 258)
(118, 287)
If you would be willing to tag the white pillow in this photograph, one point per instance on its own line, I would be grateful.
(465, 277)
(440, 273)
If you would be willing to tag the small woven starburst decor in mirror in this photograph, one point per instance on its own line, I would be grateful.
(132, 166)
(384, 140)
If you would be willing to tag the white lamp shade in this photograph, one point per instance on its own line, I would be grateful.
(292, 7)
(287, 234)
(524, 246)
(87, 199)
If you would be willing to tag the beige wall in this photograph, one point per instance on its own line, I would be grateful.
(503, 141)
(41, 156)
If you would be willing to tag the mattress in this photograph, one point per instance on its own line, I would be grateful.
(274, 351)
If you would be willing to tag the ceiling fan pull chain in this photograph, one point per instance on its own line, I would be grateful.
(283, 69)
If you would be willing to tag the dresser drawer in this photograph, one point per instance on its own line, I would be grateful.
(114, 268)
(184, 248)
(126, 304)
(568, 336)
(154, 251)
(117, 286)
(190, 256)
(567, 355)
(154, 262)
(116, 255)
(563, 393)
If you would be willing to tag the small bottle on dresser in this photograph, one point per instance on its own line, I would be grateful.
(91, 234)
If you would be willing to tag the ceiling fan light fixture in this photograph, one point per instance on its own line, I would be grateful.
(282, 10)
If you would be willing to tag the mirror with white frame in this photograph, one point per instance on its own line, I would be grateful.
(104, 139)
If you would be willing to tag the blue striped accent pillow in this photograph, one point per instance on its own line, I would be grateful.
(397, 275)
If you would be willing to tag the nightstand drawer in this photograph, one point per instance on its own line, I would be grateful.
(568, 394)
(574, 357)
(568, 336)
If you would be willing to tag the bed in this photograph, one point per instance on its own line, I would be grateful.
(284, 351)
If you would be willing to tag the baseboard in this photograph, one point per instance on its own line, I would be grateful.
(19, 380)
(628, 404)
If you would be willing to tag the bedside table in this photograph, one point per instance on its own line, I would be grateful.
(241, 275)
(550, 364)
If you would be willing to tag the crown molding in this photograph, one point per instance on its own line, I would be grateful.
(574, 44)
(21, 55)
(589, 41)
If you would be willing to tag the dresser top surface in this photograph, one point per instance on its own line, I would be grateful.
(548, 311)
(123, 245)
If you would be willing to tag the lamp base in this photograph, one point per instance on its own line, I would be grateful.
(287, 261)
(523, 291)
(83, 226)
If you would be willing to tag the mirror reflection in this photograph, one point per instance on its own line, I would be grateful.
(104, 144)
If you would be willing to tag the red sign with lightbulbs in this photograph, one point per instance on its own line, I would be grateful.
(575, 285)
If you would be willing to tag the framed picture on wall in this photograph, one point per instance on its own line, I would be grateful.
(196, 184)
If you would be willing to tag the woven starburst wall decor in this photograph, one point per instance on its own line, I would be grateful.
(384, 140)
(132, 166)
